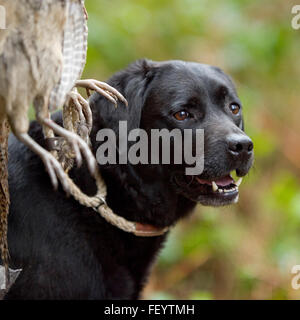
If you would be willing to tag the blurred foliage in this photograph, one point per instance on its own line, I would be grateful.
(244, 251)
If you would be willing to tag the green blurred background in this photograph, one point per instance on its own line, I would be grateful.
(245, 251)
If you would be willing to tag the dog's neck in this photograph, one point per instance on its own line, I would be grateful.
(142, 199)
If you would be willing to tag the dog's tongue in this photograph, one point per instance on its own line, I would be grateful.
(225, 181)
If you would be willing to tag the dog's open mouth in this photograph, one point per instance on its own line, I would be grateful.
(212, 192)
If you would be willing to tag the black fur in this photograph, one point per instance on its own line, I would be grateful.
(68, 251)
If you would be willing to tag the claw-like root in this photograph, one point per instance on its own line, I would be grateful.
(76, 143)
(53, 167)
(102, 88)
(83, 108)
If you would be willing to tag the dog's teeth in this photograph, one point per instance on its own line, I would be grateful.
(220, 190)
(214, 186)
(238, 183)
(236, 199)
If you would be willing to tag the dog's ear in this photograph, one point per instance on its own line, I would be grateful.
(132, 83)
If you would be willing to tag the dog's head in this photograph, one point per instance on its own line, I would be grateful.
(184, 95)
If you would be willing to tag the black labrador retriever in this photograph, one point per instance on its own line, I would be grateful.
(67, 251)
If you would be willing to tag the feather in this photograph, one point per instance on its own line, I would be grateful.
(74, 52)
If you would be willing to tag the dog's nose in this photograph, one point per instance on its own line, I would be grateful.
(239, 145)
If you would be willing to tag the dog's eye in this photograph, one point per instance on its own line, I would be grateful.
(181, 115)
(234, 108)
